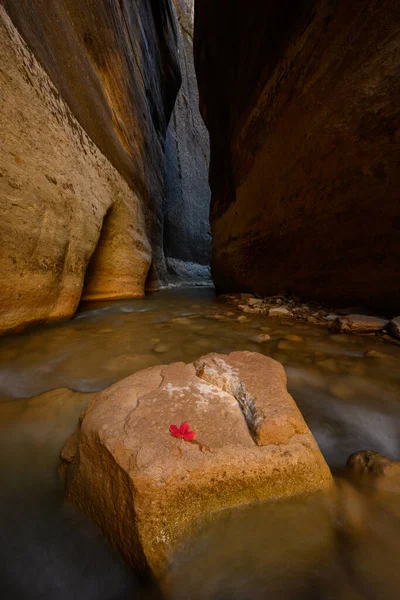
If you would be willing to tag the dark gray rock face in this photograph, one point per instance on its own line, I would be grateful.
(187, 237)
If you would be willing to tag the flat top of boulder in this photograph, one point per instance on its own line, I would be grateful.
(133, 416)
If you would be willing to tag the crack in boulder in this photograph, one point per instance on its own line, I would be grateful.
(221, 375)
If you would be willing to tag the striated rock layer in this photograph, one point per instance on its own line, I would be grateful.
(301, 102)
(85, 97)
(147, 489)
(187, 237)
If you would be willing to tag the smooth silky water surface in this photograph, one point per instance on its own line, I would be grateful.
(347, 546)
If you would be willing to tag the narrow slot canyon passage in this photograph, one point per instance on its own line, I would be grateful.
(199, 330)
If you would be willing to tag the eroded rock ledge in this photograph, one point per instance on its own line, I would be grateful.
(147, 489)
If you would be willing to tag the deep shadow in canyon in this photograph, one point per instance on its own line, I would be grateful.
(301, 103)
(111, 186)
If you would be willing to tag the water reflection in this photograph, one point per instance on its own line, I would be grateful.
(302, 548)
(341, 547)
(48, 549)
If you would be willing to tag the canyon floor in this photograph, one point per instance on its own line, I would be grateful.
(347, 388)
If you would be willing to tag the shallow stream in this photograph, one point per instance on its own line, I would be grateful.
(302, 548)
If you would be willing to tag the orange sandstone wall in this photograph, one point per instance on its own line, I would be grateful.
(86, 93)
(301, 100)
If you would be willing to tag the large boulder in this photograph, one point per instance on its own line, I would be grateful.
(147, 489)
(87, 91)
(301, 103)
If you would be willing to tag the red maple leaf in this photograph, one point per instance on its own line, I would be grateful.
(182, 432)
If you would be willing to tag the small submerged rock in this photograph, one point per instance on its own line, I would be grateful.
(197, 327)
(341, 390)
(293, 338)
(243, 319)
(257, 310)
(262, 338)
(161, 348)
(181, 321)
(376, 354)
(204, 343)
(284, 345)
(360, 324)
(368, 464)
(280, 311)
(394, 327)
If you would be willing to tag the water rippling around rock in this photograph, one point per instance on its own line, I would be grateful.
(345, 547)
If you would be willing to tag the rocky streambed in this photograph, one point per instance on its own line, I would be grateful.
(356, 320)
(347, 388)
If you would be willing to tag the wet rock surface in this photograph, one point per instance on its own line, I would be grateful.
(360, 324)
(369, 465)
(147, 489)
(349, 551)
(290, 308)
(304, 152)
(394, 327)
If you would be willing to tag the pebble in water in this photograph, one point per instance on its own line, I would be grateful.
(293, 338)
(262, 338)
(161, 348)
(181, 321)
(342, 390)
(284, 345)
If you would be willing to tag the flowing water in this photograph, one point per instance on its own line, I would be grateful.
(344, 547)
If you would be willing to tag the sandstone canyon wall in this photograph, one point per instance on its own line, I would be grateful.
(86, 93)
(301, 100)
(187, 237)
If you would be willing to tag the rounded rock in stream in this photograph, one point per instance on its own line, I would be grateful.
(394, 327)
(147, 490)
(262, 338)
(363, 324)
(370, 465)
(161, 348)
